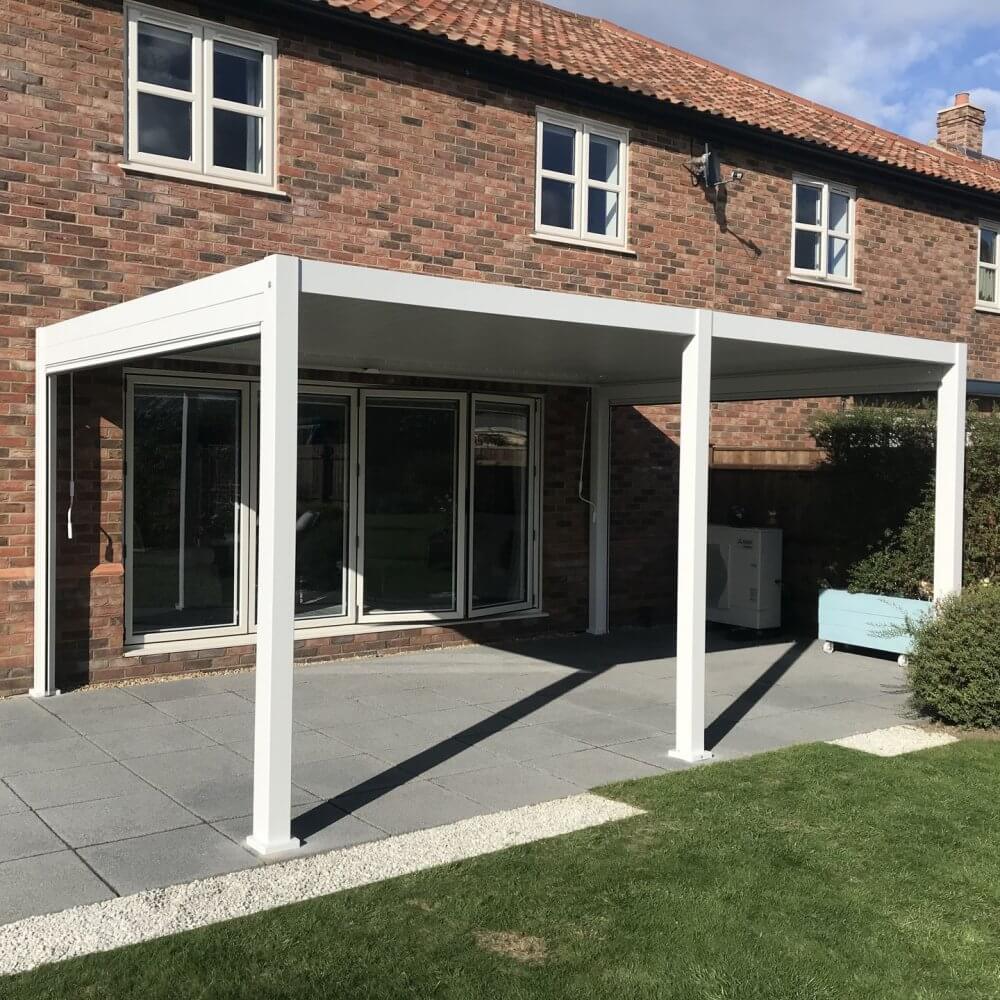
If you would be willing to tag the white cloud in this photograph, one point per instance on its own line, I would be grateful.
(891, 62)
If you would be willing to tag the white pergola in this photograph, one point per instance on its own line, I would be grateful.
(285, 313)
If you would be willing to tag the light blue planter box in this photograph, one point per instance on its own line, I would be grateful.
(867, 620)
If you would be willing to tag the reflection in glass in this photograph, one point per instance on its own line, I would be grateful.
(238, 74)
(236, 141)
(838, 257)
(185, 508)
(164, 56)
(840, 212)
(164, 126)
(987, 246)
(987, 285)
(321, 506)
(603, 159)
(410, 510)
(500, 520)
(602, 212)
(558, 146)
(557, 203)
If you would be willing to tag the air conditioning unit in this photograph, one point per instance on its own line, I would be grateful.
(744, 576)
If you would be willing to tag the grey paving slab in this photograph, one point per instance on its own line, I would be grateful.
(207, 706)
(230, 728)
(656, 715)
(130, 743)
(23, 835)
(328, 711)
(214, 783)
(417, 805)
(652, 750)
(27, 758)
(412, 702)
(105, 820)
(9, 802)
(74, 784)
(20, 708)
(307, 746)
(168, 858)
(336, 829)
(590, 768)
(455, 721)
(396, 733)
(508, 786)
(110, 720)
(603, 729)
(190, 687)
(481, 690)
(47, 884)
(529, 743)
(450, 758)
(330, 778)
(85, 701)
(41, 728)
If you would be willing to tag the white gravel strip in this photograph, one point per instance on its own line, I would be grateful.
(895, 740)
(155, 913)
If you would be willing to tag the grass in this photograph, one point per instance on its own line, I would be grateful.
(814, 873)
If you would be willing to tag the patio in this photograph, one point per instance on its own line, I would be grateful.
(114, 790)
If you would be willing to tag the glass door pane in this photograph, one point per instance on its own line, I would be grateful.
(185, 508)
(501, 521)
(411, 512)
(322, 514)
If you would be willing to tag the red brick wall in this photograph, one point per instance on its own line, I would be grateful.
(390, 164)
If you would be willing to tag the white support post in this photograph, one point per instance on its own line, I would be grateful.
(44, 685)
(949, 488)
(692, 541)
(600, 436)
(279, 358)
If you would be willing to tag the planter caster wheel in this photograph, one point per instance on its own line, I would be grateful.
(903, 660)
(828, 646)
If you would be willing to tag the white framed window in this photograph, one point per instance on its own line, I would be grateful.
(986, 270)
(201, 98)
(823, 230)
(581, 180)
(413, 506)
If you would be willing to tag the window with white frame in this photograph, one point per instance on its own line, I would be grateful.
(412, 506)
(581, 179)
(823, 230)
(986, 278)
(200, 98)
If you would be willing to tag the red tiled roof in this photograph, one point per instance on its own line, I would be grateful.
(599, 50)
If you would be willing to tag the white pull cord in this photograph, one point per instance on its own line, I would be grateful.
(583, 459)
(72, 462)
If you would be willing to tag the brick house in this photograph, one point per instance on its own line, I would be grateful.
(502, 142)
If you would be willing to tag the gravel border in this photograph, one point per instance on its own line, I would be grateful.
(83, 930)
(895, 740)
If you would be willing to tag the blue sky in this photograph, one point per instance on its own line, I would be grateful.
(891, 62)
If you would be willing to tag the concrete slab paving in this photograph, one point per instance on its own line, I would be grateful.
(383, 746)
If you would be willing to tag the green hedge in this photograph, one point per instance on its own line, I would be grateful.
(954, 669)
(880, 462)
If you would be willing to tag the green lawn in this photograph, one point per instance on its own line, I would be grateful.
(811, 873)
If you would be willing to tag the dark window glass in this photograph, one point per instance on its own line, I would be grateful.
(558, 145)
(185, 508)
(557, 204)
(603, 159)
(500, 514)
(164, 126)
(410, 511)
(238, 74)
(321, 506)
(807, 250)
(236, 141)
(164, 56)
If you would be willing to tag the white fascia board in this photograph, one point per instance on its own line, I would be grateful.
(764, 330)
(429, 291)
(219, 307)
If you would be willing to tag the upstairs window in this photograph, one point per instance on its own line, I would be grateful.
(986, 281)
(823, 231)
(581, 180)
(200, 98)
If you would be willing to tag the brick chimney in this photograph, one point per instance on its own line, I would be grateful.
(960, 127)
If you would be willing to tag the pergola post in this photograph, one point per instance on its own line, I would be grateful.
(44, 684)
(599, 432)
(692, 541)
(279, 361)
(949, 483)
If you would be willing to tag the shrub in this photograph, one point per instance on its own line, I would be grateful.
(881, 457)
(954, 667)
